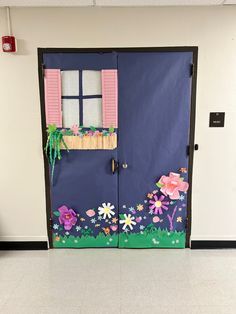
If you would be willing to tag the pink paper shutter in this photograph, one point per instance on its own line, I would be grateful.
(52, 86)
(109, 98)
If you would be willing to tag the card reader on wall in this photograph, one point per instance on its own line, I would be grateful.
(217, 120)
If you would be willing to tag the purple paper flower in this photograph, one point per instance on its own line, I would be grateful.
(67, 217)
(158, 204)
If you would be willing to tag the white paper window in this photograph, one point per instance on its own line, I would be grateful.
(92, 113)
(85, 95)
(92, 83)
(70, 110)
(70, 83)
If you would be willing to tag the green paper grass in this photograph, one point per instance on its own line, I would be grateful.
(53, 146)
(151, 239)
(84, 241)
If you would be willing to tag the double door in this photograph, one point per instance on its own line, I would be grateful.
(125, 119)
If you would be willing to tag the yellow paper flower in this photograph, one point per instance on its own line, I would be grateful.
(140, 207)
(179, 219)
(150, 195)
(114, 220)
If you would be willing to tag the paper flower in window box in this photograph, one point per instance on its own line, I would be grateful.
(75, 129)
(171, 185)
(90, 139)
(67, 217)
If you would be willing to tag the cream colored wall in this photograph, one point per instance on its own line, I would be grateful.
(22, 201)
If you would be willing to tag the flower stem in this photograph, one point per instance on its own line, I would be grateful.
(171, 218)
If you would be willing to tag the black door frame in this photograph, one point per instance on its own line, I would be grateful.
(193, 73)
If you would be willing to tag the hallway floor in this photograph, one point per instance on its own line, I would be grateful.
(116, 281)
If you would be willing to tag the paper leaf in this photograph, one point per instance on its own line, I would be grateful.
(122, 216)
(56, 213)
(111, 130)
(52, 128)
(68, 132)
(158, 184)
(92, 128)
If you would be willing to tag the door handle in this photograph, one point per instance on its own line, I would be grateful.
(114, 166)
(124, 165)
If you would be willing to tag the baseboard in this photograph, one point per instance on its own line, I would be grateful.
(215, 244)
(23, 245)
(23, 238)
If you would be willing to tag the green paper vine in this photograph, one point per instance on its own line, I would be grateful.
(53, 146)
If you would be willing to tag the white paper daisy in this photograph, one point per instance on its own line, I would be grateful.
(128, 221)
(106, 210)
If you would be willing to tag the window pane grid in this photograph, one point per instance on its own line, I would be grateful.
(84, 80)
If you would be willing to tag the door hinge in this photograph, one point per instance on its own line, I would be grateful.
(188, 150)
(43, 68)
(50, 223)
(195, 147)
(192, 69)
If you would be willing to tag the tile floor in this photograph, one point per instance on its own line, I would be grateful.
(116, 281)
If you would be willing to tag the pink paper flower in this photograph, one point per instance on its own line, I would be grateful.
(90, 133)
(158, 204)
(90, 212)
(114, 228)
(155, 219)
(67, 217)
(75, 129)
(172, 184)
(138, 219)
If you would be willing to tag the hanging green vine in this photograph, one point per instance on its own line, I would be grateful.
(53, 146)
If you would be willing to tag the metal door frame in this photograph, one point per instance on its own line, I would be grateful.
(193, 71)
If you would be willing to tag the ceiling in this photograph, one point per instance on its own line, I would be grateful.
(117, 3)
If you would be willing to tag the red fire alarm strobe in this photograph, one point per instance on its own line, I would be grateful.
(8, 44)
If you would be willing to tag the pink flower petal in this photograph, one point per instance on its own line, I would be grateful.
(158, 210)
(63, 209)
(163, 190)
(174, 175)
(72, 212)
(165, 203)
(175, 195)
(164, 207)
(162, 179)
(73, 220)
(67, 226)
(183, 186)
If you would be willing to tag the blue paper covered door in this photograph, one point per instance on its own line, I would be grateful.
(82, 132)
(154, 126)
(118, 127)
